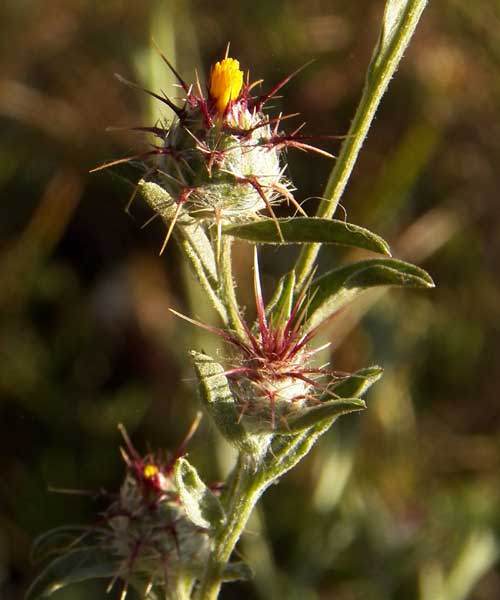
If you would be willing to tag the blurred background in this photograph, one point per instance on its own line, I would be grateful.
(401, 502)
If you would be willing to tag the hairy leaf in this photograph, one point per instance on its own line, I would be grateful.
(281, 308)
(218, 398)
(303, 230)
(200, 503)
(339, 287)
(357, 383)
(322, 413)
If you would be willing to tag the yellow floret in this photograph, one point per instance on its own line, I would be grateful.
(150, 471)
(226, 81)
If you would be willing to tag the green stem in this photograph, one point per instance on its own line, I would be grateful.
(203, 279)
(180, 588)
(227, 292)
(248, 486)
(250, 478)
(385, 60)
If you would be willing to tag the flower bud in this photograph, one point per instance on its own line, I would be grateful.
(269, 383)
(217, 161)
(148, 528)
(220, 158)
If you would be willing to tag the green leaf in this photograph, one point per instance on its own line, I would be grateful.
(357, 383)
(200, 503)
(218, 398)
(237, 571)
(78, 565)
(214, 386)
(339, 287)
(282, 283)
(280, 308)
(159, 200)
(287, 450)
(321, 413)
(304, 230)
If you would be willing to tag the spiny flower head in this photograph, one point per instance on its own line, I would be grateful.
(149, 535)
(146, 525)
(220, 159)
(270, 368)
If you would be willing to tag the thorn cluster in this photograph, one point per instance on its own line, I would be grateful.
(271, 371)
(146, 527)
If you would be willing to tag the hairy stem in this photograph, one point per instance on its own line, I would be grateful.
(247, 488)
(203, 279)
(180, 588)
(248, 482)
(384, 63)
(227, 293)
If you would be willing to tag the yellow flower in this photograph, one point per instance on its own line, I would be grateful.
(226, 81)
(150, 471)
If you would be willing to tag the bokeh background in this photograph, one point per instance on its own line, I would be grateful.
(401, 502)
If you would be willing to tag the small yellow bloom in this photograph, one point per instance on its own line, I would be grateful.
(150, 471)
(226, 81)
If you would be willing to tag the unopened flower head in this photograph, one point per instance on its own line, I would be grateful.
(146, 527)
(271, 369)
(220, 158)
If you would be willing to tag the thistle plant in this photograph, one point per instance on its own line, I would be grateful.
(216, 173)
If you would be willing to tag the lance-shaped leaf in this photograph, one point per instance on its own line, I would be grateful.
(340, 286)
(73, 567)
(288, 450)
(218, 399)
(282, 283)
(322, 413)
(304, 230)
(280, 307)
(200, 503)
(216, 395)
(357, 383)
